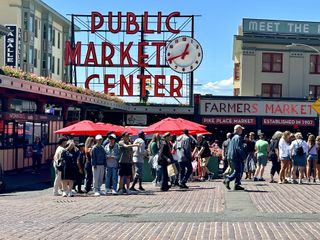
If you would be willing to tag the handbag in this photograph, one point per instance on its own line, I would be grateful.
(60, 164)
(172, 170)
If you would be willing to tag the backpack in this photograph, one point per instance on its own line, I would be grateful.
(299, 150)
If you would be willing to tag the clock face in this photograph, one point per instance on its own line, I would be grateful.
(184, 54)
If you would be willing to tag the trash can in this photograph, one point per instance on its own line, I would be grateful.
(213, 166)
(147, 176)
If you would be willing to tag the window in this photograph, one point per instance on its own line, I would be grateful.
(50, 32)
(59, 40)
(314, 64)
(45, 32)
(44, 61)
(19, 105)
(271, 62)
(25, 21)
(314, 91)
(31, 57)
(35, 58)
(49, 62)
(58, 66)
(36, 24)
(53, 62)
(53, 37)
(31, 23)
(271, 90)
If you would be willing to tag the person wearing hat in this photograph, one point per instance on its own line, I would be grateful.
(113, 155)
(138, 159)
(98, 165)
(125, 162)
(262, 149)
(81, 160)
(236, 154)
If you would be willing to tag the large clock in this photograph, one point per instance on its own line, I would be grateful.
(184, 54)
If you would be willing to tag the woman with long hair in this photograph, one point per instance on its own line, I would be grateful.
(284, 155)
(312, 157)
(88, 166)
(68, 174)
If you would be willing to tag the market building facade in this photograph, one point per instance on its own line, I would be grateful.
(275, 58)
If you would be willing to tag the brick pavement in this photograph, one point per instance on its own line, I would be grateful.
(207, 211)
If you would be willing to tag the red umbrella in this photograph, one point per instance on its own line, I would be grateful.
(117, 129)
(85, 128)
(174, 126)
(190, 123)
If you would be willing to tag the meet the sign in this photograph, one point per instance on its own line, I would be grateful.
(280, 26)
(10, 46)
(256, 108)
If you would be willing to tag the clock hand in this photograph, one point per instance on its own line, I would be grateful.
(185, 53)
(174, 57)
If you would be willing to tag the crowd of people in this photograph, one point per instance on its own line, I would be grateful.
(120, 163)
(291, 157)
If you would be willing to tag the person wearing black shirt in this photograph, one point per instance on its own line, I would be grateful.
(203, 153)
(164, 159)
(250, 161)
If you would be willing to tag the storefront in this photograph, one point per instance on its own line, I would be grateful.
(266, 115)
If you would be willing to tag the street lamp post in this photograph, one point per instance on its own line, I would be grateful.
(318, 52)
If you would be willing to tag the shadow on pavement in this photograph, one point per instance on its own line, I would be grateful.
(255, 190)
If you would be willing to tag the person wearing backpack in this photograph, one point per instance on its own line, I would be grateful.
(298, 150)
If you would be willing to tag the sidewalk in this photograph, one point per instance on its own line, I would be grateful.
(28, 181)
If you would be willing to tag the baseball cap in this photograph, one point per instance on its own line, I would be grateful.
(200, 135)
(80, 145)
(167, 134)
(98, 137)
(237, 126)
(112, 136)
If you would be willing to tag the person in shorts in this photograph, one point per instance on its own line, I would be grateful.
(125, 162)
(299, 159)
(203, 153)
(262, 148)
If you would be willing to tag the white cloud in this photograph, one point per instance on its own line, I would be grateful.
(222, 87)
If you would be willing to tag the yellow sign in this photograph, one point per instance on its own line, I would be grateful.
(316, 106)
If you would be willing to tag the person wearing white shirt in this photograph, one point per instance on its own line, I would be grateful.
(284, 155)
(299, 158)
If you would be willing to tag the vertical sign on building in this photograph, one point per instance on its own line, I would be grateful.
(19, 47)
(10, 46)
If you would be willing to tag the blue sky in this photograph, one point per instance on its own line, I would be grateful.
(214, 29)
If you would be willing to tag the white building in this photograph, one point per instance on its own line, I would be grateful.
(265, 66)
(36, 41)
